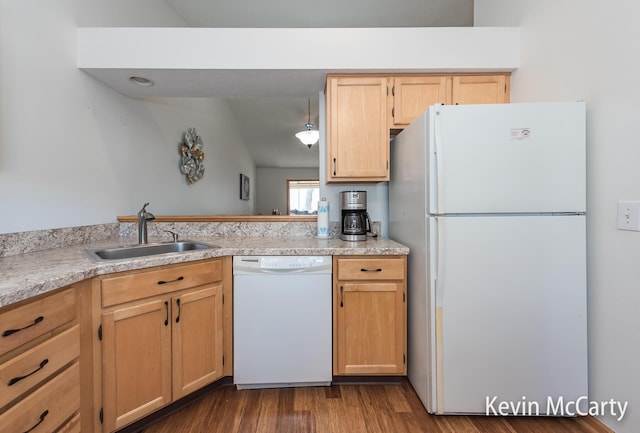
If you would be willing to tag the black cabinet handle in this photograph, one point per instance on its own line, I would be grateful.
(341, 296)
(370, 270)
(166, 312)
(334, 166)
(19, 378)
(178, 316)
(13, 331)
(180, 278)
(42, 417)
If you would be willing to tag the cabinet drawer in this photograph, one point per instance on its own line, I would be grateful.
(71, 426)
(23, 372)
(125, 288)
(48, 407)
(23, 324)
(371, 269)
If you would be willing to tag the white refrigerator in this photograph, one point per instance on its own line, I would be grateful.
(491, 201)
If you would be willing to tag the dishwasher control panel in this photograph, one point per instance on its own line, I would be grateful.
(257, 264)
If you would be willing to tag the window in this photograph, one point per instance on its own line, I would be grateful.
(303, 196)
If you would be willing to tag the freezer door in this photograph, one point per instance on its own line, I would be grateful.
(510, 311)
(507, 158)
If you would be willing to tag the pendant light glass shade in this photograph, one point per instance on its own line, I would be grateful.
(310, 136)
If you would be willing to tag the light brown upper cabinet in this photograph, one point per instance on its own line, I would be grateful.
(362, 109)
(480, 89)
(357, 129)
(411, 95)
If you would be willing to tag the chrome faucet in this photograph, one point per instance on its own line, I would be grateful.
(143, 217)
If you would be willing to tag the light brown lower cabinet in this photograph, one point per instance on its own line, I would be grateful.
(197, 340)
(40, 384)
(369, 315)
(48, 407)
(103, 353)
(136, 369)
(160, 348)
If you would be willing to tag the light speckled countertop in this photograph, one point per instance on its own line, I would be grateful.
(27, 275)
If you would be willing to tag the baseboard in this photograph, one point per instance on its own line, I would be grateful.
(368, 380)
(166, 411)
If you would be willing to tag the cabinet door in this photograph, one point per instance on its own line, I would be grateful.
(370, 330)
(480, 89)
(197, 339)
(357, 129)
(136, 361)
(412, 95)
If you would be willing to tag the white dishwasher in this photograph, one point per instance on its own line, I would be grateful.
(282, 326)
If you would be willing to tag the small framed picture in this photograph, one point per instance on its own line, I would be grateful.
(244, 187)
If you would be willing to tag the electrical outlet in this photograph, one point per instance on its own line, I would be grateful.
(629, 215)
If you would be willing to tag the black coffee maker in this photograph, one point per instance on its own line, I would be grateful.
(355, 222)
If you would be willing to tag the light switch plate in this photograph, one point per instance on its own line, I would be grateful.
(629, 215)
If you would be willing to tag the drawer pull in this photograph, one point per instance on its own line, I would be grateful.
(180, 278)
(42, 417)
(370, 270)
(18, 379)
(178, 316)
(13, 331)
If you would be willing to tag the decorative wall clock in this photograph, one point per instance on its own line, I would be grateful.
(192, 156)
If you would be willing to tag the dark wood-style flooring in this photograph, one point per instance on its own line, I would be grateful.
(385, 408)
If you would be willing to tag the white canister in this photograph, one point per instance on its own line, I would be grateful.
(323, 218)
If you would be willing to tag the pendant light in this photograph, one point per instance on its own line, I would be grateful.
(309, 136)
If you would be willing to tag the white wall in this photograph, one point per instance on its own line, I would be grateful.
(75, 152)
(120, 13)
(588, 50)
(271, 187)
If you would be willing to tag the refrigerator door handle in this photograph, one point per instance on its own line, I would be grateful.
(437, 232)
(439, 167)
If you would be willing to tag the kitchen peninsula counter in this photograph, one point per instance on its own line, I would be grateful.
(24, 276)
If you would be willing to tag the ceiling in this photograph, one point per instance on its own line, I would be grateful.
(325, 13)
(268, 127)
(268, 124)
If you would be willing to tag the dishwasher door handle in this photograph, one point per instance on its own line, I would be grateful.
(284, 271)
(293, 271)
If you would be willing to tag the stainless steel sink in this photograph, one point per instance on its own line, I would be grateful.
(133, 251)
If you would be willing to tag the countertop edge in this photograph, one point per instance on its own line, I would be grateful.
(29, 275)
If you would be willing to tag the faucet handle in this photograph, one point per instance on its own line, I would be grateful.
(174, 234)
(142, 211)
